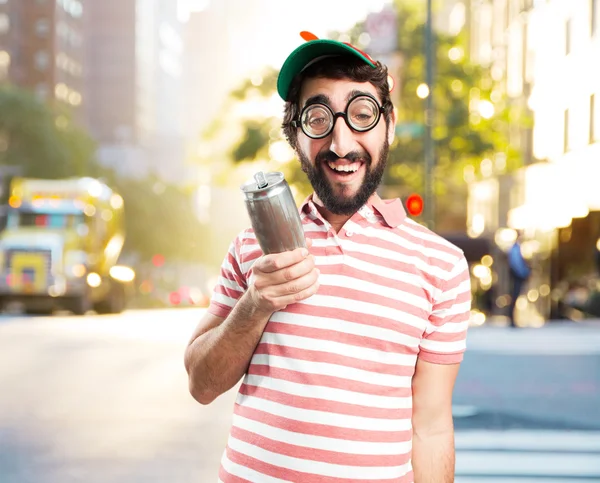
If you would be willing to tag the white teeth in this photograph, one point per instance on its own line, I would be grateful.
(348, 168)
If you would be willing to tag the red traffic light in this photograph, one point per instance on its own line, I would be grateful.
(414, 204)
(158, 260)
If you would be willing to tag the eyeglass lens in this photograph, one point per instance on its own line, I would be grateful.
(361, 115)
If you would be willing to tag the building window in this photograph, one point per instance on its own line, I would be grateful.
(62, 29)
(42, 27)
(4, 59)
(73, 7)
(593, 16)
(526, 5)
(4, 23)
(524, 55)
(61, 91)
(566, 132)
(4, 64)
(593, 119)
(75, 98)
(76, 9)
(568, 37)
(74, 39)
(42, 91)
(41, 60)
(64, 62)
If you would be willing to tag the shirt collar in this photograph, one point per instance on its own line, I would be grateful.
(391, 211)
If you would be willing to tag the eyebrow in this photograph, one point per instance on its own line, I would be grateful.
(356, 92)
(323, 99)
(317, 99)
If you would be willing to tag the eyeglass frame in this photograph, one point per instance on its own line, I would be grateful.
(297, 123)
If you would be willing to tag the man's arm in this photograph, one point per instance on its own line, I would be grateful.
(433, 429)
(220, 349)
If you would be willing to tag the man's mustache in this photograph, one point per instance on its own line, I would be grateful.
(331, 157)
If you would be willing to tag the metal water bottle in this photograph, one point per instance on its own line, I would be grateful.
(273, 213)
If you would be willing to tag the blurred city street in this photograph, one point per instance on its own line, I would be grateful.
(128, 127)
(104, 399)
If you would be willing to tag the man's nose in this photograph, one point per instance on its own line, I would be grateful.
(342, 139)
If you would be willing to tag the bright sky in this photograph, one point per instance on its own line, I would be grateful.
(266, 31)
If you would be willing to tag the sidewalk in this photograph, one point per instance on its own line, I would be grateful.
(502, 322)
(553, 338)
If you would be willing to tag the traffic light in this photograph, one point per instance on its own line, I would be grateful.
(158, 260)
(414, 204)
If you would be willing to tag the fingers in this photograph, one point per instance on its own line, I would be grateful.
(281, 279)
(287, 274)
(272, 298)
(295, 288)
(277, 261)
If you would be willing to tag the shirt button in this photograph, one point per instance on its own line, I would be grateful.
(349, 233)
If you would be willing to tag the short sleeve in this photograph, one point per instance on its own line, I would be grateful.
(444, 341)
(231, 283)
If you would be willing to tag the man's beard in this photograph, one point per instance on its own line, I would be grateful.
(340, 204)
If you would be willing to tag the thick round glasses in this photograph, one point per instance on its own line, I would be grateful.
(317, 120)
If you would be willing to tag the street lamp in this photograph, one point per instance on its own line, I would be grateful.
(429, 148)
(422, 91)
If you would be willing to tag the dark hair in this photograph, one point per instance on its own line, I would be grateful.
(340, 67)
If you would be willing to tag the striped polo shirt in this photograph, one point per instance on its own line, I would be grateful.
(327, 395)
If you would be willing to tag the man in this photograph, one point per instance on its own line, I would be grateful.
(349, 350)
(519, 273)
(597, 255)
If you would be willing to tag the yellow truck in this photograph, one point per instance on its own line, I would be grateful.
(61, 245)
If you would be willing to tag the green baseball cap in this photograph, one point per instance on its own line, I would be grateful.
(314, 49)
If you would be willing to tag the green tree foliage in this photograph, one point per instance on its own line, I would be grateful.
(264, 85)
(255, 138)
(463, 137)
(160, 218)
(472, 117)
(258, 134)
(42, 140)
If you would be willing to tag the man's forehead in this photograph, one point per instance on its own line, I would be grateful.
(335, 91)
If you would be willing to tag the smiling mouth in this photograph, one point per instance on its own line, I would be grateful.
(344, 168)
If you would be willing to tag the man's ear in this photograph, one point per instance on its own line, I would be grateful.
(392, 127)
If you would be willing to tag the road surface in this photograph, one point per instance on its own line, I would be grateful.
(104, 399)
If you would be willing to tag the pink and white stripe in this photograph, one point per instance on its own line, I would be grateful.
(327, 396)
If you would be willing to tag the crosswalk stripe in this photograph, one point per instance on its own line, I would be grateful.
(520, 456)
(534, 341)
(527, 464)
(464, 411)
(510, 479)
(517, 439)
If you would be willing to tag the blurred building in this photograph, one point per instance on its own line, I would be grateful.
(207, 79)
(554, 199)
(160, 51)
(135, 86)
(111, 71)
(42, 48)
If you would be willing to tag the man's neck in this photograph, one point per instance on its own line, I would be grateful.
(336, 221)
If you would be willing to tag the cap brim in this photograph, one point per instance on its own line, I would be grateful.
(306, 54)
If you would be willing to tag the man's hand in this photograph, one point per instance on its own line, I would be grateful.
(281, 279)
(220, 349)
